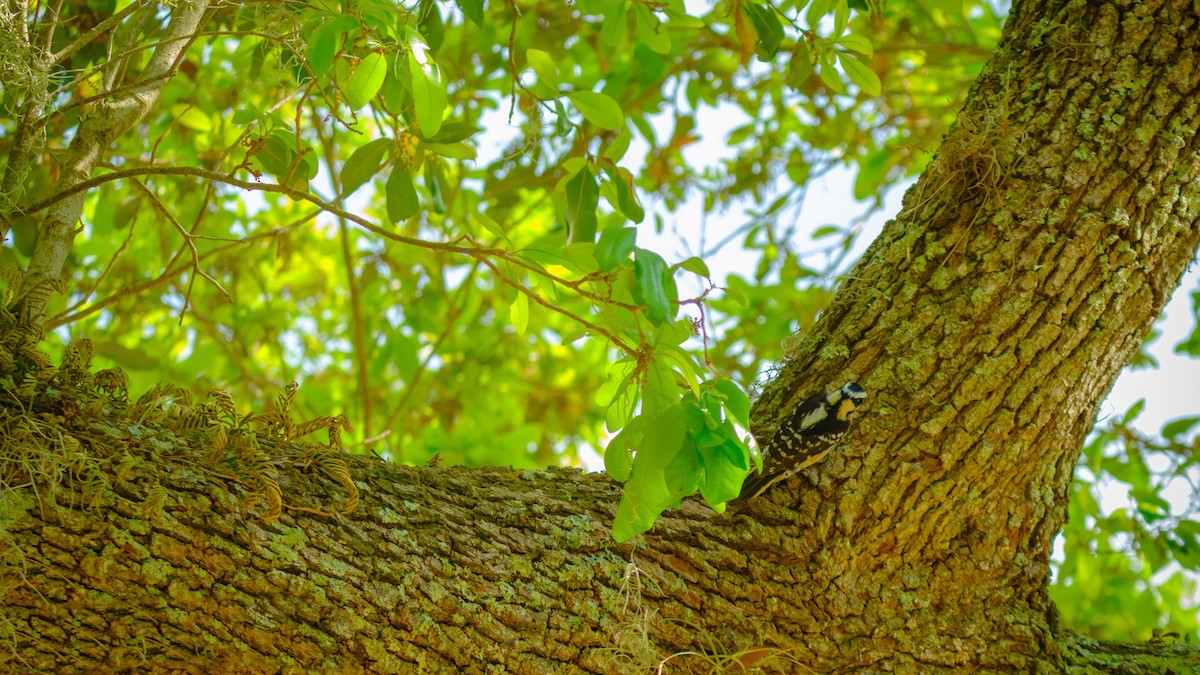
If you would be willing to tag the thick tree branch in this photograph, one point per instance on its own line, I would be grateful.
(111, 119)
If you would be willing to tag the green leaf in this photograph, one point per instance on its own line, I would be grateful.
(672, 354)
(646, 493)
(860, 74)
(543, 65)
(191, 117)
(451, 150)
(402, 202)
(363, 164)
(683, 474)
(244, 116)
(651, 67)
(736, 296)
(616, 23)
(614, 247)
(621, 400)
(649, 31)
(428, 90)
(473, 10)
(583, 198)
(680, 19)
(817, 11)
(1178, 427)
(397, 92)
(800, 66)
(454, 132)
(1134, 410)
(769, 29)
(825, 231)
(278, 153)
(308, 168)
(518, 313)
(490, 225)
(618, 456)
(430, 24)
(696, 266)
(365, 81)
(562, 121)
(841, 17)
(616, 150)
(649, 288)
(627, 199)
(857, 43)
(324, 45)
(830, 77)
(1150, 504)
(599, 109)
(725, 469)
(694, 419)
(321, 50)
(660, 395)
(1191, 344)
(737, 403)
(436, 183)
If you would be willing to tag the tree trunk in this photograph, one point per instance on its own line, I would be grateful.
(987, 322)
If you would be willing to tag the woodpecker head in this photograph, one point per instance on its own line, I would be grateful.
(846, 400)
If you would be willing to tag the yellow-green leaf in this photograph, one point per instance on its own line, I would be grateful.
(428, 90)
(191, 117)
(518, 313)
(599, 109)
(857, 43)
(365, 81)
(451, 150)
(484, 221)
(861, 75)
(543, 65)
(473, 10)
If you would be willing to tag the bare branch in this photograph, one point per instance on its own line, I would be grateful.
(173, 270)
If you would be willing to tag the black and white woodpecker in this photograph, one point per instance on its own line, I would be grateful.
(806, 436)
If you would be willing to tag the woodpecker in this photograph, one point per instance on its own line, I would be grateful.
(806, 436)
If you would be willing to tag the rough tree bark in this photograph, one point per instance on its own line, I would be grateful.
(988, 321)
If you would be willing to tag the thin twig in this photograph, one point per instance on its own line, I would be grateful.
(189, 241)
(299, 195)
(171, 272)
(599, 330)
(86, 39)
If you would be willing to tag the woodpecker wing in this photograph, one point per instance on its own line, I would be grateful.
(805, 437)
